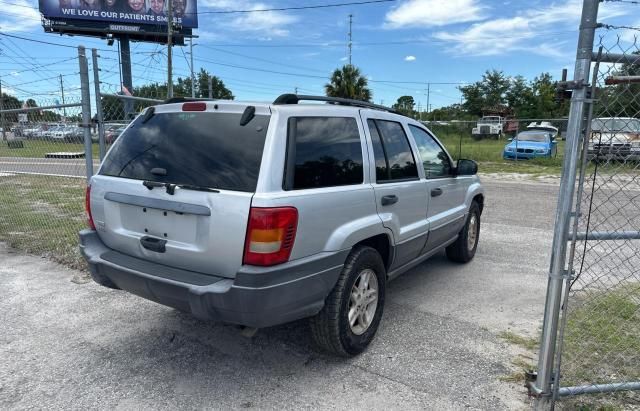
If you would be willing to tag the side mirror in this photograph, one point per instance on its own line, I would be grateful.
(466, 168)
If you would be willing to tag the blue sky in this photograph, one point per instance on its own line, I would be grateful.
(399, 45)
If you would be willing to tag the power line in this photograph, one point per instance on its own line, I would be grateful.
(261, 59)
(293, 8)
(48, 42)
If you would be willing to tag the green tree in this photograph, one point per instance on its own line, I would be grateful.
(494, 87)
(544, 91)
(520, 98)
(474, 101)
(405, 105)
(348, 82)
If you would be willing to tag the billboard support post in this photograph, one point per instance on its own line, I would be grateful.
(169, 57)
(86, 109)
(99, 116)
(127, 81)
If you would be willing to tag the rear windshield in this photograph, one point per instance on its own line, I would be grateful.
(203, 149)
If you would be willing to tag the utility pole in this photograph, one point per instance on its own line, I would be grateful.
(350, 36)
(428, 95)
(64, 110)
(169, 38)
(4, 135)
(193, 79)
(210, 86)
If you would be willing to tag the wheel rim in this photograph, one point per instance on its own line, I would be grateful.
(472, 234)
(363, 301)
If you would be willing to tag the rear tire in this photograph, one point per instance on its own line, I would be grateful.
(331, 328)
(464, 248)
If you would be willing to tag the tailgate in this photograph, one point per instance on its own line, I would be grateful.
(204, 232)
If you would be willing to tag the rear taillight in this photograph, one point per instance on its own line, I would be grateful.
(270, 235)
(87, 206)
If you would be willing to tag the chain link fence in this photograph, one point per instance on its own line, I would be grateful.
(43, 177)
(43, 171)
(510, 149)
(590, 346)
(601, 324)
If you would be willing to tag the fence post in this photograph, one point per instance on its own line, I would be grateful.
(543, 383)
(99, 114)
(86, 110)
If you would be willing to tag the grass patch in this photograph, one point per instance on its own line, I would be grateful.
(42, 215)
(515, 339)
(488, 153)
(38, 148)
(518, 376)
(602, 345)
(602, 338)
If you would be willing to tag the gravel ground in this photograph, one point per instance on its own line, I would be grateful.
(67, 343)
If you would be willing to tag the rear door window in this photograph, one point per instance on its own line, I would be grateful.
(197, 148)
(390, 140)
(323, 152)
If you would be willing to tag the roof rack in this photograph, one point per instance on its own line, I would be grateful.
(295, 99)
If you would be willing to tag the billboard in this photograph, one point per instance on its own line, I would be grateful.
(123, 15)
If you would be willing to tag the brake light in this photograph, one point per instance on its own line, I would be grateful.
(87, 206)
(270, 235)
(194, 106)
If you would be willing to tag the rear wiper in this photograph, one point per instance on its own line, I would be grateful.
(171, 188)
(198, 188)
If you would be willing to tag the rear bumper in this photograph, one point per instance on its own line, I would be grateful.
(256, 297)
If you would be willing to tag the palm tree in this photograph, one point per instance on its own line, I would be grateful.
(348, 82)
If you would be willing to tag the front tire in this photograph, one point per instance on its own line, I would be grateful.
(351, 315)
(464, 248)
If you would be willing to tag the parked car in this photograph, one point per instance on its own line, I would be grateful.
(112, 133)
(614, 138)
(531, 144)
(543, 126)
(262, 214)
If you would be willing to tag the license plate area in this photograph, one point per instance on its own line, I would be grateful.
(165, 224)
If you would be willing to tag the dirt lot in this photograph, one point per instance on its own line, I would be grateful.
(68, 343)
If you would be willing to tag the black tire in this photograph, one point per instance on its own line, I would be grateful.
(330, 328)
(459, 251)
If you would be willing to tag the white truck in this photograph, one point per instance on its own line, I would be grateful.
(488, 126)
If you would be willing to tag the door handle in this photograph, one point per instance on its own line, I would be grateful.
(436, 192)
(388, 200)
(153, 244)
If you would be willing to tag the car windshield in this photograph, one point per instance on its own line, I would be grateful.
(536, 137)
(489, 120)
(627, 125)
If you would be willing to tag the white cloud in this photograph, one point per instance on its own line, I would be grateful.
(410, 58)
(268, 24)
(19, 16)
(430, 13)
(519, 33)
(344, 58)
(631, 36)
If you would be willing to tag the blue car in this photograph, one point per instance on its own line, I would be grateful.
(531, 144)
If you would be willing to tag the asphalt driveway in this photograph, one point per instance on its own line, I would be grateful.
(67, 343)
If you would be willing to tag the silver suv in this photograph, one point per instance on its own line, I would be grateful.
(261, 214)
